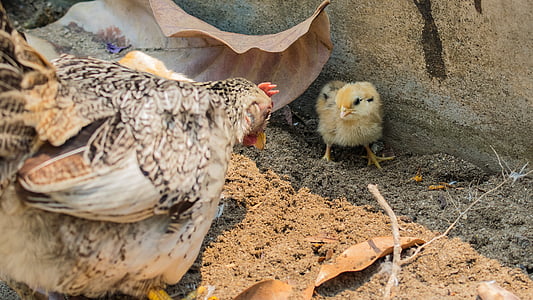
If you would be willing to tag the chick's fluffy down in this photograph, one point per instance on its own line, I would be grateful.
(360, 127)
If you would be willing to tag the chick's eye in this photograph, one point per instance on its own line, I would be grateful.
(370, 99)
(356, 101)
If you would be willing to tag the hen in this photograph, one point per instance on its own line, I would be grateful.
(140, 61)
(110, 177)
(350, 114)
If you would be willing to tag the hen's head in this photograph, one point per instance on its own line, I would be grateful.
(357, 99)
(253, 106)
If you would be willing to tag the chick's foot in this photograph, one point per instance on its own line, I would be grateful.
(373, 159)
(327, 155)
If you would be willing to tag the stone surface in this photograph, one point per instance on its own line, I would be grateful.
(455, 76)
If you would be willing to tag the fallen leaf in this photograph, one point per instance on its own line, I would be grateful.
(442, 185)
(308, 292)
(362, 255)
(328, 256)
(418, 176)
(435, 187)
(324, 238)
(490, 290)
(292, 59)
(266, 290)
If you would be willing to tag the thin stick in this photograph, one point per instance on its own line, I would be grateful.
(393, 279)
(417, 251)
(499, 161)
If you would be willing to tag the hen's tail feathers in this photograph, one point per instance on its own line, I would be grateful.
(28, 85)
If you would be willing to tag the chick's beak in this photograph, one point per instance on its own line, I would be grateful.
(344, 112)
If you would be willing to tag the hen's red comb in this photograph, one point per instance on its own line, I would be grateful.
(267, 87)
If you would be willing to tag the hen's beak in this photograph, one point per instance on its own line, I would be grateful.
(258, 137)
(257, 140)
(261, 141)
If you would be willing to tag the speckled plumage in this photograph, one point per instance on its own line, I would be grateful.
(110, 177)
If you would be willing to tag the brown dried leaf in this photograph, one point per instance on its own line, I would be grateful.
(292, 59)
(418, 177)
(308, 292)
(490, 290)
(323, 237)
(362, 255)
(266, 290)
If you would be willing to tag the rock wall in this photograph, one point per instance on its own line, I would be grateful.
(456, 76)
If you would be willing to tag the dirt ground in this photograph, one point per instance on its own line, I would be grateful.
(270, 210)
(277, 197)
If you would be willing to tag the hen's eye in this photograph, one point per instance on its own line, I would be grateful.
(356, 101)
(370, 99)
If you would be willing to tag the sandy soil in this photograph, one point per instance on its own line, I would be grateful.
(292, 194)
(277, 197)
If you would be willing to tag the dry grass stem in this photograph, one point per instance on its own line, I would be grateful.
(507, 176)
(393, 278)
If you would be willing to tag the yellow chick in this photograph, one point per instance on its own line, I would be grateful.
(350, 115)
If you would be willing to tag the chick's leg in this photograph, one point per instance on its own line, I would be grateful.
(373, 159)
(327, 155)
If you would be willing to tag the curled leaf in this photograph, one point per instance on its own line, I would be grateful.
(292, 59)
(418, 176)
(266, 290)
(442, 186)
(490, 290)
(360, 256)
(434, 187)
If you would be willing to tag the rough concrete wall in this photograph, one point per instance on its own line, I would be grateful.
(456, 76)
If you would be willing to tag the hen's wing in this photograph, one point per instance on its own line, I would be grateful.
(144, 152)
(120, 145)
(65, 180)
(24, 77)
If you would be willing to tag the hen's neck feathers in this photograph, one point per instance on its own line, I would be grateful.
(99, 89)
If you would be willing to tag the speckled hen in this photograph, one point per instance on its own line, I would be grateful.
(110, 177)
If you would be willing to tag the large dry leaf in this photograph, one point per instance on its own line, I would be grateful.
(490, 290)
(267, 290)
(292, 59)
(362, 255)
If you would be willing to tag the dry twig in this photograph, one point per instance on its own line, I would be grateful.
(393, 279)
(397, 262)
(511, 176)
